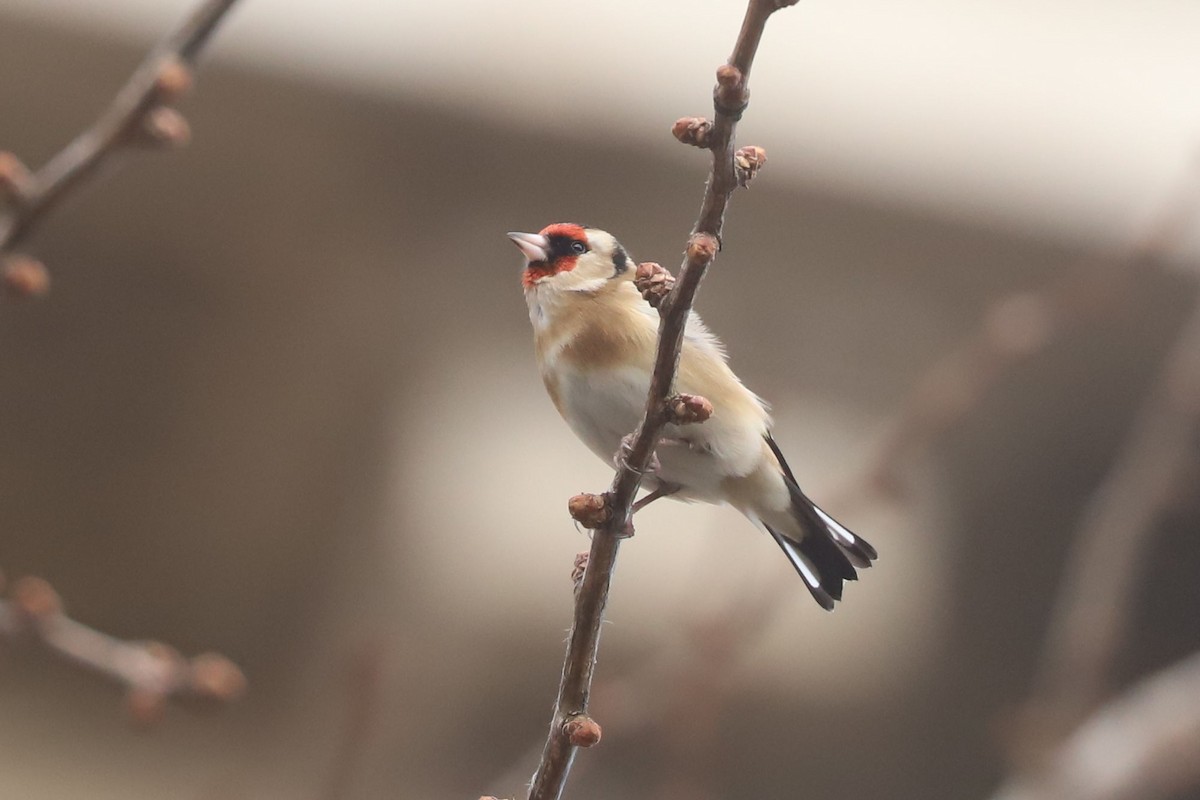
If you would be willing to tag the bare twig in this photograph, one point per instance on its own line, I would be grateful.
(1096, 594)
(151, 672)
(1142, 746)
(139, 115)
(1091, 613)
(729, 99)
(1020, 325)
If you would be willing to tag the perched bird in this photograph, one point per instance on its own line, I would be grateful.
(595, 338)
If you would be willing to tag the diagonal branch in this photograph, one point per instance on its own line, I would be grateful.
(151, 672)
(1105, 566)
(729, 99)
(140, 114)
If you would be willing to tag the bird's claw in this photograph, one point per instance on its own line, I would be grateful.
(653, 466)
(621, 459)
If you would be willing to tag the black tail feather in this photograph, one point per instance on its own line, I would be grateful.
(858, 550)
(823, 589)
(828, 552)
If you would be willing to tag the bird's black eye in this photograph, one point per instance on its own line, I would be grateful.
(579, 248)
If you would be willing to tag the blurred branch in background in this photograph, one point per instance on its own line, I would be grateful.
(364, 676)
(1059, 722)
(610, 515)
(1105, 564)
(152, 673)
(1141, 746)
(141, 115)
(1020, 325)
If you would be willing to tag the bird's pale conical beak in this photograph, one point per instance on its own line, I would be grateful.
(535, 246)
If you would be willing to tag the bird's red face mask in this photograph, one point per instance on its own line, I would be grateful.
(555, 249)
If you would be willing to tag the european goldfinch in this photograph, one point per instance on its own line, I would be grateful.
(595, 338)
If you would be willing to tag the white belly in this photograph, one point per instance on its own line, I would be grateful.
(604, 406)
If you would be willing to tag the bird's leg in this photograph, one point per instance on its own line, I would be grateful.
(663, 490)
(652, 469)
(621, 458)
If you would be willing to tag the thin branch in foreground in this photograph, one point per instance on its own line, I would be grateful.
(152, 673)
(141, 115)
(730, 98)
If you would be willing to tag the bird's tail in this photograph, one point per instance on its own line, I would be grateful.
(827, 553)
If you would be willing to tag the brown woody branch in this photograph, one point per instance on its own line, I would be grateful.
(140, 115)
(152, 673)
(729, 99)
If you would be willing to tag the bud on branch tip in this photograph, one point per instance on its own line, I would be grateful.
(747, 161)
(692, 130)
(702, 247)
(654, 282)
(216, 677)
(25, 277)
(589, 510)
(687, 409)
(36, 598)
(581, 730)
(729, 76)
(145, 707)
(174, 80)
(166, 127)
(14, 178)
(730, 95)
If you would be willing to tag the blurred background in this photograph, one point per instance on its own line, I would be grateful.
(281, 401)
